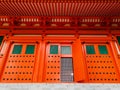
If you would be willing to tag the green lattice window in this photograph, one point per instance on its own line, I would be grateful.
(118, 39)
(65, 50)
(17, 49)
(53, 49)
(103, 49)
(1, 39)
(30, 49)
(90, 49)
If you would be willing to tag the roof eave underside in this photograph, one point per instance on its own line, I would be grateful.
(59, 7)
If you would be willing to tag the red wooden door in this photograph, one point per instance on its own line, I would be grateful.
(19, 66)
(101, 65)
(58, 63)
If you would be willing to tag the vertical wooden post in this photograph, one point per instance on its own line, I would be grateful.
(4, 56)
(42, 62)
(78, 63)
(37, 62)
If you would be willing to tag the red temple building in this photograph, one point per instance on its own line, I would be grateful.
(60, 41)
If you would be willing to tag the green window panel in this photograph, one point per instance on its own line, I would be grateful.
(53, 49)
(17, 49)
(30, 49)
(65, 50)
(103, 49)
(1, 38)
(118, 39)
(90, 49)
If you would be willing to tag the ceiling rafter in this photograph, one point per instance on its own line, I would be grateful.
(59, 8)
(35, 1)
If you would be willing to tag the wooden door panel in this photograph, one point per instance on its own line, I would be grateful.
(53, 70)
(101, 67)
(19, 67)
